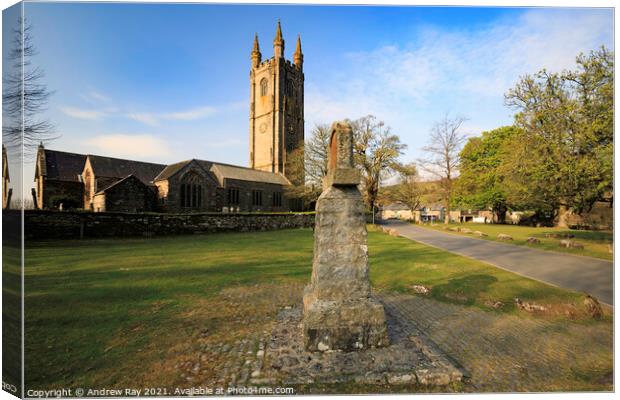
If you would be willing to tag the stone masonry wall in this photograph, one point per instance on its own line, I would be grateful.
(42, 224)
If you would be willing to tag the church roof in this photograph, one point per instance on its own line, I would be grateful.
(119, 182)
(170, 170)
(226, 171)
(63, 166)
(120, 168)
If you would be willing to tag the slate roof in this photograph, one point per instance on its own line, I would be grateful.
(248, 174)
(119, 168)
(171, 170)
(63, 166)
(226, 171)
(118, 183)
(432, 207)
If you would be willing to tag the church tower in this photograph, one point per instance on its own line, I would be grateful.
(276, 107)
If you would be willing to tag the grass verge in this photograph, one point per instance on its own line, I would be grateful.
(596, 243)
(127, 312)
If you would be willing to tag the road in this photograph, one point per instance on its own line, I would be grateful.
(586, 274)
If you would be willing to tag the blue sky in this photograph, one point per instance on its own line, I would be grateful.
(167, 82)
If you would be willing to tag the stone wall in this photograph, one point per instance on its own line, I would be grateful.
(43, 224)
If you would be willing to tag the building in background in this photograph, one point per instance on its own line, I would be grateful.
(276, 107)
(97, 183)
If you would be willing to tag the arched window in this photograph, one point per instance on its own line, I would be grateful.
(191, 191)
(263, 87)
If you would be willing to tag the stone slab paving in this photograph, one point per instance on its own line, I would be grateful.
(578, 273)
(508, 353)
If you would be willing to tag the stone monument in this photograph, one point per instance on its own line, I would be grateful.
(339, 312)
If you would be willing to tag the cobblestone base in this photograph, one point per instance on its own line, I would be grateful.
(409, 359)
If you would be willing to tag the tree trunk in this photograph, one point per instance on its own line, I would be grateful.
(500, 213)
(562, 217)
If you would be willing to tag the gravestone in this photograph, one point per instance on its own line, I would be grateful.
(339, 312)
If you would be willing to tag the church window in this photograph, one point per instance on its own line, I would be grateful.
(263, 87)
(233, 196)
(191, 195)
(276, 200)
(257, 198)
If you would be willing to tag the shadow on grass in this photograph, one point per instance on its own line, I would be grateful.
(463, 290)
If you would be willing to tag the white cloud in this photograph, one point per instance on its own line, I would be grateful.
(98, 96)
(187, 115)
(410, 84)
(235, 143)
(154, 119)
(81, 113)
(95, 97)
(129, 146)
(145, 118)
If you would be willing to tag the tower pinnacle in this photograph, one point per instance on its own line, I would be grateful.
(278, 43)
(298, 57)
(256, 56)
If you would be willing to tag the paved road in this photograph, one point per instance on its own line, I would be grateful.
(572, 272)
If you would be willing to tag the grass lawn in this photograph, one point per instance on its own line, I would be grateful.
(125, 312)
(595, 242)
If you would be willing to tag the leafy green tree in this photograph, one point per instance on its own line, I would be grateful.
(480, 184)
(563, 159)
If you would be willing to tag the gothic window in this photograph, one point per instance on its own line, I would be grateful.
(191, 191)
(233, 196)
(276, 200)
(263, 87)
(257, 198)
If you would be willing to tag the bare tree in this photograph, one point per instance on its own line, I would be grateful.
(24, 97)
(310, 162)
(442, 161)
(376, 152)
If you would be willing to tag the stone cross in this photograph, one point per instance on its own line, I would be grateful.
(340, 167)
(339, 312)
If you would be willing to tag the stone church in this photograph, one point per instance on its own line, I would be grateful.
(97, 183)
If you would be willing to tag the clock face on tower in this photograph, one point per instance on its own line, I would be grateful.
(262, 127)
